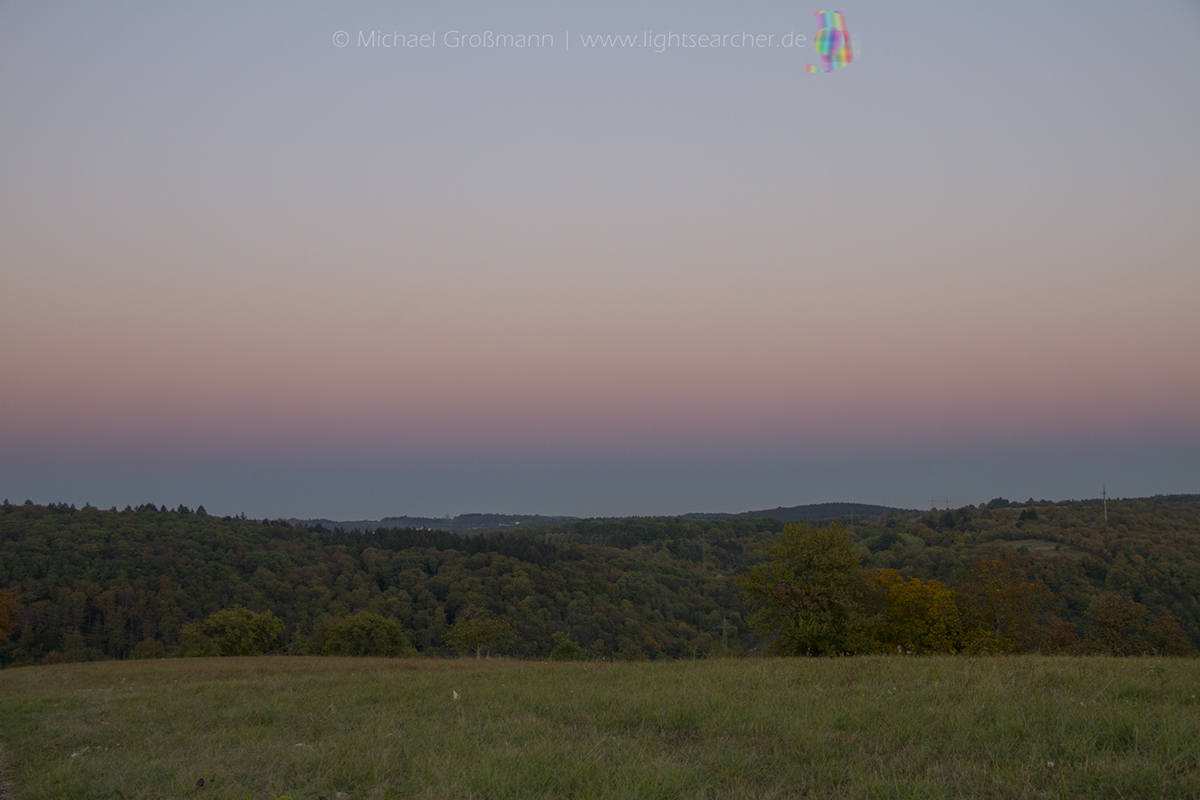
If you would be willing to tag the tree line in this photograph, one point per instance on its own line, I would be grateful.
(85, 584)
(96, 584)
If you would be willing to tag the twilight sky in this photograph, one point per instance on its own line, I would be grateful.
(245, 267)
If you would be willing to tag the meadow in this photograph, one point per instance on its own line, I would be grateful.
(276, 727)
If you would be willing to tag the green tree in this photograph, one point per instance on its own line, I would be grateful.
(233, 631)
(8, 608)
(479, 631)
(366, 634)
(810, 593)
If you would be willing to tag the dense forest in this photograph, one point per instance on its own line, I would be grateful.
(87, 584)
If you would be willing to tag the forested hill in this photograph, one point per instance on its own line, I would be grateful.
(482, 523)
(464, 523)
(815, 512)
(94, 584)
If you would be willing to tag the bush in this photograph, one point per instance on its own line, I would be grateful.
(567, 650)
(233, 631)
(148, 648)
(479, 631)
(366, 634)
(633, 653)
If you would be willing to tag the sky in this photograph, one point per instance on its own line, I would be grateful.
(257, 257)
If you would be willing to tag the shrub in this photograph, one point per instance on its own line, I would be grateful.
(633, 653)
(567, 650)
(366, 634)
(233, 631)
(479, 631)
(148, 648)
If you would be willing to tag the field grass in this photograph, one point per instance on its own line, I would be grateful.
(372, 728)
(1045, 547)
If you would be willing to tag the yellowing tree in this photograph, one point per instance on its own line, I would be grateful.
(915, 616)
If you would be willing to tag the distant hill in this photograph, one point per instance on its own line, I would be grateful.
(477, 523)
(819, 511)
(463, 523)
(809, 513)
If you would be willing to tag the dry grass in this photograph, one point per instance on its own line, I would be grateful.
(367, 728)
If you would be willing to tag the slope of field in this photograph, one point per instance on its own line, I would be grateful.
(765, 728)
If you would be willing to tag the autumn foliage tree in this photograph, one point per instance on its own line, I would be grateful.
(1123, 627)
(915, 616)
(1005, 612)
(810, 593)
(813, 596)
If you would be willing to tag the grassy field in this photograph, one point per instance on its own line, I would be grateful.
(372, 728)
(1045, 547)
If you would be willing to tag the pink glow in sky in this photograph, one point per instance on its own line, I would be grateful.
(595, 282)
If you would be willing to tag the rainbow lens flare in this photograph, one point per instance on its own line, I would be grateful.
(832, 42)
